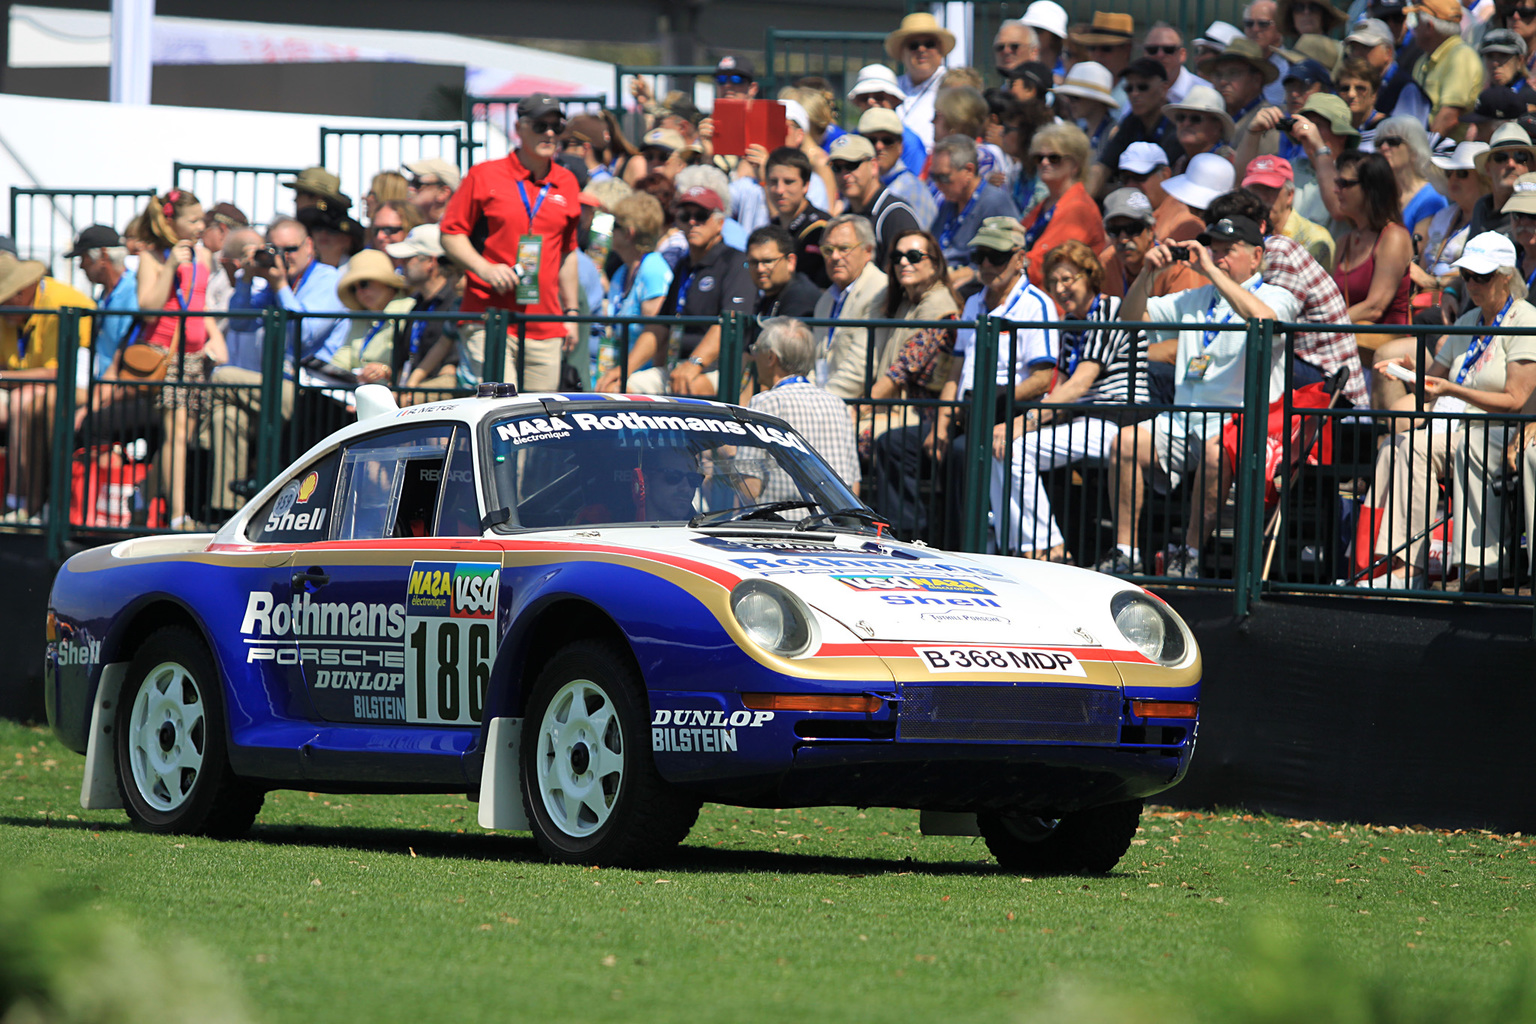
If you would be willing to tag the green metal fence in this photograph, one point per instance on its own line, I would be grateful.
(257, 191)
(355, 155)
(488, 121)
(835, 56)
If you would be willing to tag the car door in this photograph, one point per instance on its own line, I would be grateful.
(398, 637)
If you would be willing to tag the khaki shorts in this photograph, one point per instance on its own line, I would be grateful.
(541, 366)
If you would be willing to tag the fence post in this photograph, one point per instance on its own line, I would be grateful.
(729, 361)
(269, 422)
(978, 436)
(493, 365)
(771, 82)
(1248, 537)
(60, 487)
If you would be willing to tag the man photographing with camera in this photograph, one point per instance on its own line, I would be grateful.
(1208, 371)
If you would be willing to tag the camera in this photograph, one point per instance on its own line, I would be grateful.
(265, 258)
(1179, 252)
(1286, 124)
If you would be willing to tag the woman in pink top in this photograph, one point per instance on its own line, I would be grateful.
(1059, 153)
(173, 275)
(1373, 255)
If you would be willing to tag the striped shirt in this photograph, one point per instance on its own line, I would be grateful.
(1020, 350)
(1113, 349)
(822, 419)
(1288, 265)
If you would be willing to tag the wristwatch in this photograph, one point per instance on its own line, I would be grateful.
(696, 361)
(1322, 151)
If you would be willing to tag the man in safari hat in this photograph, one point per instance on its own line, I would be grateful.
(921, 44)
(318, 187)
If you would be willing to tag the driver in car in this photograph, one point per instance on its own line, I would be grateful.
(665, 485)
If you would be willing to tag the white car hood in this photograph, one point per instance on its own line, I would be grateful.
(882, 590)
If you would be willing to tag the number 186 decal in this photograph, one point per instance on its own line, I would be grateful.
(450, 623)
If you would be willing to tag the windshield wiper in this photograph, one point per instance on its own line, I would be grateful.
(730, 515)
(854, 513)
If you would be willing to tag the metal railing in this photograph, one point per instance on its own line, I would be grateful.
(1278, 523)
(488, 121)
(44, 222)
(355, 155)
(835, 56)
(258, 191)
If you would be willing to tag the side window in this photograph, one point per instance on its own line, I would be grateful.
(301, 511)
(389, 484)
(459, 515)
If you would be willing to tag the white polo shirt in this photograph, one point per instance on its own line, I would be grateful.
(1036, 345)
(1220, 383)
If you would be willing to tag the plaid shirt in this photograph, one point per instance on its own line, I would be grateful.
(822, 419)
(1288, 265)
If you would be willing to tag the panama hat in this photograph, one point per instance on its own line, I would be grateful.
(1202, 99)
(368, 265)
(1219, 36)
(1243, 49)
(1510, 136)
(1108, 29)
(1089, 80)
(17, 274)
(919, 24)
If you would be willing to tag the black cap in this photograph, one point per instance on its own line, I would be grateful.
(733, 65)
(1035, 73)
(1389, 8)
(1231, 229)
(97, 236)
(1499, 103)
(1146, 67)
(1310, 71)
(538, 105)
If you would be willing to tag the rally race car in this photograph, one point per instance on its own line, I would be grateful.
(591, 613)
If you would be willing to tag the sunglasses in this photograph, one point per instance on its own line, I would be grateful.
(841, 167)
(1518, 158)
(1124, 229)
(1389, 140)
(693, 215)
(1188, 118)
(1138, 86)
(1525, 13)
(1343, 183)
(732, 80)
(1258, 23)
(912, 256)
(1106, 47)
(992, 256)
(923, 43)
(1010, 47)
(287, 250)
(673, 477)
(1459, 175)
(940, 179)
(547, 127)
(1472, 277)
(883, 141)
(421, 183)
(1167, 51)
(382, 229)
(1134, 178)
(1051, 158)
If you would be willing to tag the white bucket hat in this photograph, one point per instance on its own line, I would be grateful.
(1486, 253)
(1462, 158)
(1091, 81)
(1048, 15)
(1207, 176)
(875, 79)
(1218, 35)
(1202, 99)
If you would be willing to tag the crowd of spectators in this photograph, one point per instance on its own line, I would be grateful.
(1328, 168)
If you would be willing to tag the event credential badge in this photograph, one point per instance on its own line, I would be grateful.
(530, 248)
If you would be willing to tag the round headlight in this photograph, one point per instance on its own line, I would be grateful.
(1149, 624)
(774, 618)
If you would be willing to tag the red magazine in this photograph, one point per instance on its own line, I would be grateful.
(741, 123)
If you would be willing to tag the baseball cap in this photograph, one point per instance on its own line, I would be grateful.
(437, 166)
(1503, 40)
(1486, 253)
(538, 105)
(1522, 198)
(683, 107)
(878, 119)
(1269, 171)
(1371, 32)
(229, 215)
(586, 127)
(1003, 234)
(1033, 72)
(732, 65)
(1500, 103)
(422, 240)
(1231, 229)
(97, 236)
(1445, 10)
(1146, 67)
(855, 148)
(793, 111)
(1130, 203)
(1309, 71)
(1143, 157)
(707, 198)
(666, 138)
(1381, 9)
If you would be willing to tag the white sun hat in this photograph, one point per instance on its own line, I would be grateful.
(1207, 176)
(876, 79)
(1047, 14)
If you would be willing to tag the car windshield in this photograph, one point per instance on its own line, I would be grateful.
(667, 464)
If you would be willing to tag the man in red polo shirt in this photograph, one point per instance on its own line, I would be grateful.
(511, 224)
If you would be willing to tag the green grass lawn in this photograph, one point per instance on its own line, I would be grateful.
(403, 909)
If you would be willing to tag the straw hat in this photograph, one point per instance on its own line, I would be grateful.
(1202, 99)
(17, 274)
(1511, 136)
(1332, 17)
(919, 24)
(318, 181)
(1089, 80)
(1108, 29)
(1245, 50)
(368, 265)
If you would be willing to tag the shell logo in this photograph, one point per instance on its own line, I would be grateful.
(307, 488)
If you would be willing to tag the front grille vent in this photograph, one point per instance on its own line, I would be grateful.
(1059, 714)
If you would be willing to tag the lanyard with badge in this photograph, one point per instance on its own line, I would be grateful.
(1072, 351)
(530, 249)
(1032, 234)
(798, 378)
(824, 359)
(948, 234)
(1199, 364)
(1481, 342)
(24, 336)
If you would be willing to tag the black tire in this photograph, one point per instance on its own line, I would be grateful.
(172, 760)
(1083, 842)
(590, 785)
